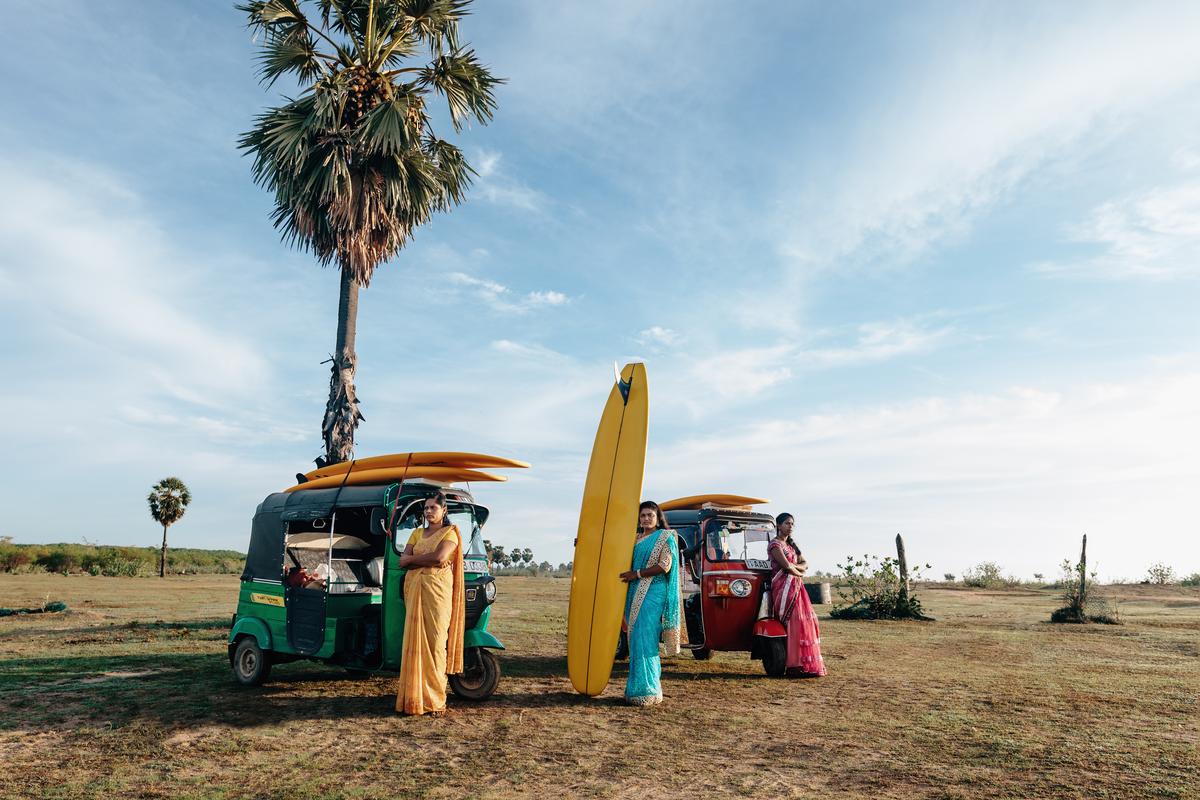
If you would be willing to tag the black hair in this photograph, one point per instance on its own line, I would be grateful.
(779, 520)
(439, 498)
(660, 521)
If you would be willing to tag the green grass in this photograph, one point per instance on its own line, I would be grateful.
(129, 695)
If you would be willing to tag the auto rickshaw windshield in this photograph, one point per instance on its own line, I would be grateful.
(735, 540)
(461, 514)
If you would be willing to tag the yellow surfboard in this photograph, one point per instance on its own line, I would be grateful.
(696, 501)
(607, 530)
(435, 459)
(393, 474)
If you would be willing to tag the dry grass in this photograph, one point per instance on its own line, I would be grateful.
(129, 695)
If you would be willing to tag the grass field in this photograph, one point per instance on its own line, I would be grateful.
(129, 694)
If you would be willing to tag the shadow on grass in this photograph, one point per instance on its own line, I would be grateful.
(94, 629)
(176, 691)
(185, 690)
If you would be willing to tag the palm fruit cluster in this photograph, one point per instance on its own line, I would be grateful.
(364, 91)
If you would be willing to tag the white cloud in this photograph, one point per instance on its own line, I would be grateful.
(76, 245)
(1153, 235)
(493, 184)
(979, 114)
(503, 299)
(529, 351)
(744, 373)
(734, 376)
(1186, 159)
(878, 341)
(1012, 477)
(659, 337)
(548, 298)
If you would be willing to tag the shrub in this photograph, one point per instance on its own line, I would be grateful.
(59, 561)
(1081, 606)
(14, 560)
(988, 575)
(873, 589)
(1191, 580)
(1160, 574)
(949, 576)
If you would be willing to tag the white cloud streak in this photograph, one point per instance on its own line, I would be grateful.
(1153, 235)
(980, 116)
(502, 299)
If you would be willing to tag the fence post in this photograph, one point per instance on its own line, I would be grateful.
(1083, 577)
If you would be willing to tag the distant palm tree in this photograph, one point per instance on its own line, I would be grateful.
(168, 500)
(354, 162)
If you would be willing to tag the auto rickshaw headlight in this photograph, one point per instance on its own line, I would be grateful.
(489, 591)
(740, 587)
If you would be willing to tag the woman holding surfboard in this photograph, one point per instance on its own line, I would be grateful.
(790, 604)
(434, 612)
(651, 605)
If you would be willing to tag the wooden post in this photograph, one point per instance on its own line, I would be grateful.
(1083, 577)
(903, 568)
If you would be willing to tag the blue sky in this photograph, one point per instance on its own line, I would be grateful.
(920, 269)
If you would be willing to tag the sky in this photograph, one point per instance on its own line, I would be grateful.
(915, 268)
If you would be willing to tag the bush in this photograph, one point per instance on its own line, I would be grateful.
(1191, 580)
(874, 590)
(1160, 574)
(988, 575)
(949, 576)
(1081, 605)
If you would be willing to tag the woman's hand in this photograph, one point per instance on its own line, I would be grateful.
(629, 576)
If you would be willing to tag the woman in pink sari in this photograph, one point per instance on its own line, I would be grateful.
(790, 604)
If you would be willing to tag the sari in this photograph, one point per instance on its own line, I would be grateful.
(434, 619)
(791, 606)
(652, 615)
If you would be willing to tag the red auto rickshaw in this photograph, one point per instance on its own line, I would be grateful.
(725, 577)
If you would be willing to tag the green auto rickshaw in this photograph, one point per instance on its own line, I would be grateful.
(353, 536)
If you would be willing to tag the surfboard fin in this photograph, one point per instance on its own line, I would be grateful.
(622, 385)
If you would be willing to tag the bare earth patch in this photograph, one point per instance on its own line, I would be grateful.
(134, 699)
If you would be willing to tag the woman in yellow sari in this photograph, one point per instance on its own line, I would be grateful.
(434, 612)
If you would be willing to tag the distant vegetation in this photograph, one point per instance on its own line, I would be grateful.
(989, 575)
(114, 561)
(1161, 574)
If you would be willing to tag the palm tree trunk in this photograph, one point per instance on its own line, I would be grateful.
(162, 557)
(341, 411)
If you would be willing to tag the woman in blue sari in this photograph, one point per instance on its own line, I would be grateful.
(651, 605)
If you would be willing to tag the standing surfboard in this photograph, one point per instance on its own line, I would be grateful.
(607, 529)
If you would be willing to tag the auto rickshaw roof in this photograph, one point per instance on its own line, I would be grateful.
(264, 556)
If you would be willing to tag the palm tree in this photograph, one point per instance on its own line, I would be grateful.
(353, 161)
(168, 500)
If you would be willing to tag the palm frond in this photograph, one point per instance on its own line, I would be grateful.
(465, 83)
(388, 129)
(435, 21)
(352, 163)
(295, 52)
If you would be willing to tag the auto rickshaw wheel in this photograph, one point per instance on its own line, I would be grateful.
(775, 656)
(480, 675)
(251, 665)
